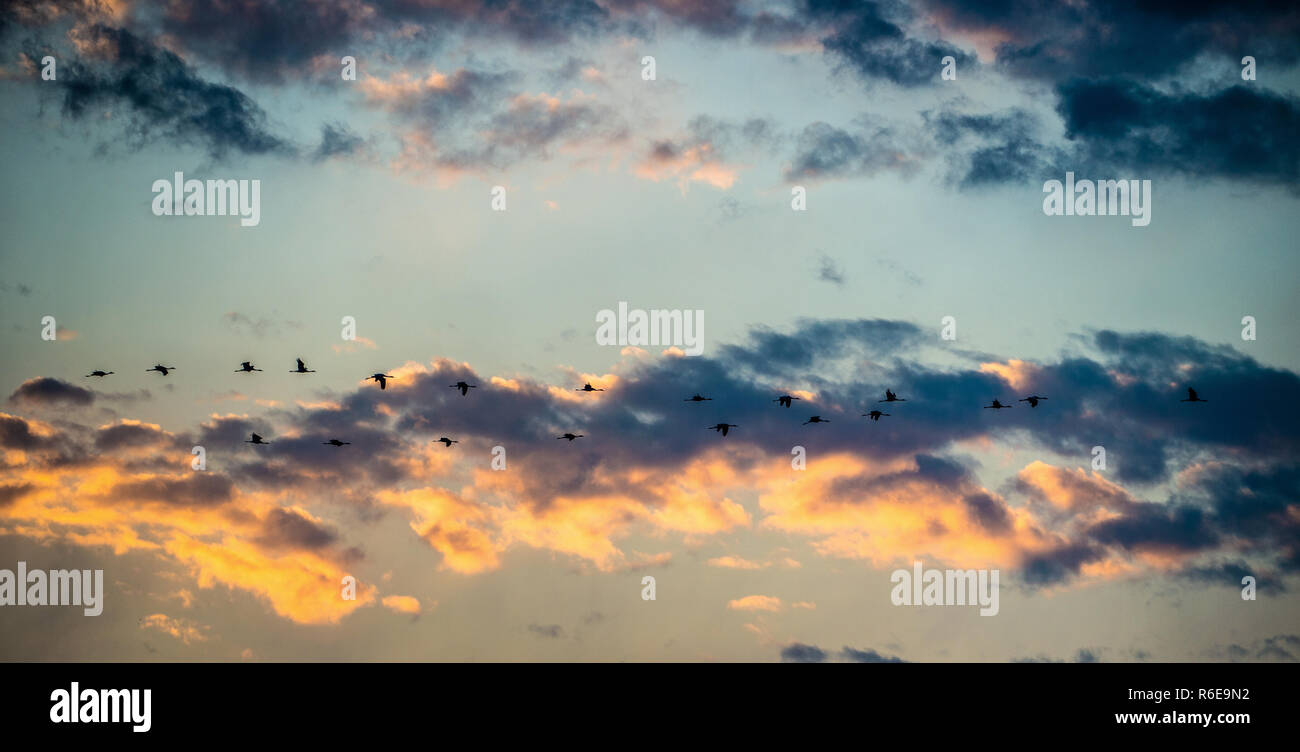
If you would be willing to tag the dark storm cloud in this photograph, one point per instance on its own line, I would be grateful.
(129, 435)
(869, 38)
(988, 149)
(163, 97)
(1238, 482)
(50, 391)
(1059, 565)
(1049, 39)
(868, 656)
(825, 151)
(336, 140)
(814, 342)
(1238, 133)
(11, 493)
(1230, 574)
(203, 489)
(799, 653)
(288, 528)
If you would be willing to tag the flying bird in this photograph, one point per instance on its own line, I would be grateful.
(891, 397)
(333, 442)
(161, 369)
(785, 400)
(100, 374)
(1033, 401)
(697, 398)
(381, 379)
(245, 367)
(446, 441)
(256, 440)
(463, 387)
(722, 428)
(1192, 396)
(998, 406)
(302, 368)
(875, 414)
(588, 388)
(570, 436)
(816, 419)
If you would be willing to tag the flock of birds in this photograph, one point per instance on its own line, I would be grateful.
(784, 400)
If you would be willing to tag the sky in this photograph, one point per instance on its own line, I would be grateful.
(802, 174)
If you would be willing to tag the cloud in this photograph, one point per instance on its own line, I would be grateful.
(869, 39)
(182, 629)
(886, 495)
(755, 603)
(797, 652)
(549, 631)
(402, 604)
(830, 271)
(163, 98)
(1238, 133)
(50, 391)
(824, 151)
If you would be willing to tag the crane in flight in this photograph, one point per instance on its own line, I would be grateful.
(302, 368)
(246, 367)
(785, 400)
(463, 387)
(722, 428)
(381, 379)
(1192, 396)
(100, 374)
(160, 368)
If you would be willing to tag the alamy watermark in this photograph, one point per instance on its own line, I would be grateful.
(1087, 198)
(656, 328)
(946, 587)
(196, 198)
(58, 587)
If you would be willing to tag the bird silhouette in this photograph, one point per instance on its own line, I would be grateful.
(998, 406)
(245, 367)
(1033, 400)
(161, 369)
(570, 436)
(463, 387)
(588, 388)
(1192, 396)
(446, 441)
(256, 440)
(302, 368)
(100, 374)
(381, 379)
(785, 400)
(722, 428)
(335, 442)
(816, 419)
(891, 397)
(697, 398)
(875, 414)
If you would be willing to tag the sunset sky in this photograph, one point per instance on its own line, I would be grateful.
(924, 201)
